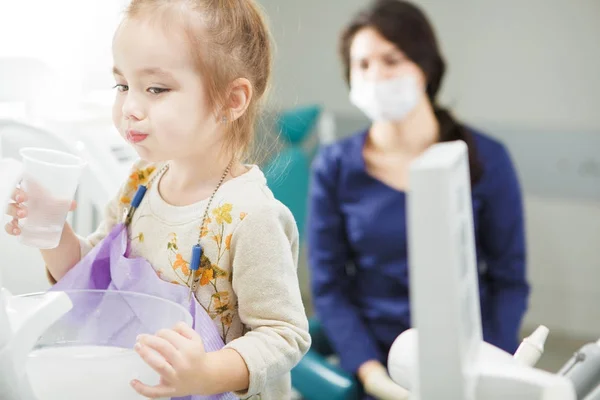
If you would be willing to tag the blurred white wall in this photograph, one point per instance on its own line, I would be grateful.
(532, 63)
(71, 37)
(516, 64)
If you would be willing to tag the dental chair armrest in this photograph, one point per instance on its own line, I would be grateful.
(317, 379)
(320, 343)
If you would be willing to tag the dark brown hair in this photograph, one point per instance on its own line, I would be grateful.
(407, 27)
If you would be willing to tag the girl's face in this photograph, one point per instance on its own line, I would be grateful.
(161, 106)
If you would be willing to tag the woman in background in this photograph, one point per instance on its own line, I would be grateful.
(357, 222)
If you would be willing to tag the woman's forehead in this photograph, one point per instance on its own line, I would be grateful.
(368, 43)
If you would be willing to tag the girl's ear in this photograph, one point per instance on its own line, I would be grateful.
(238, 100)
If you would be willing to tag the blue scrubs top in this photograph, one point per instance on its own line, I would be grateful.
(358, 252)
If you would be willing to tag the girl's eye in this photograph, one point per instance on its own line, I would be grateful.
(155, 90)
(121, 88)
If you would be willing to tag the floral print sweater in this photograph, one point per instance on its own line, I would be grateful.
(248, 271)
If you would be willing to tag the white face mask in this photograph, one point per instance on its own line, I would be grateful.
(387, 100)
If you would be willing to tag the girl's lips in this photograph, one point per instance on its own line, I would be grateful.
(136, 137)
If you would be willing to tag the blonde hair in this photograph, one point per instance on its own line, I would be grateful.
(229, 39)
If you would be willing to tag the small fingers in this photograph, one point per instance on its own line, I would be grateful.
(12, 228)
(162, 346)
(19, 196)
(170, 335)
(16, 211)
(156, 362)
(186, 331)
(152, 392)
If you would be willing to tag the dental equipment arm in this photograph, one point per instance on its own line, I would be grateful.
(583, 369)
(444, 356)
(532, 347)
(22, 319)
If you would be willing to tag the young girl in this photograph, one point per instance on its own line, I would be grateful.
(189, 78)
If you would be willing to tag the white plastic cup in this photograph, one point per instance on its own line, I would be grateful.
(50, 179)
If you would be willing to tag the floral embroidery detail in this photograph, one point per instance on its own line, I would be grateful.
(140, 177)
(139, 238)
(227, 320)
(172, 245)
(221, 301)
(137, 178)
(223, 214)
(180, 263)
(221, 306)
(181, 266)
(218, 272)
(210, 276)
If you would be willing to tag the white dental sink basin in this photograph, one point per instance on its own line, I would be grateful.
(88, 353)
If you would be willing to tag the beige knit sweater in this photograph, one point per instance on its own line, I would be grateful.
(248, 281)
